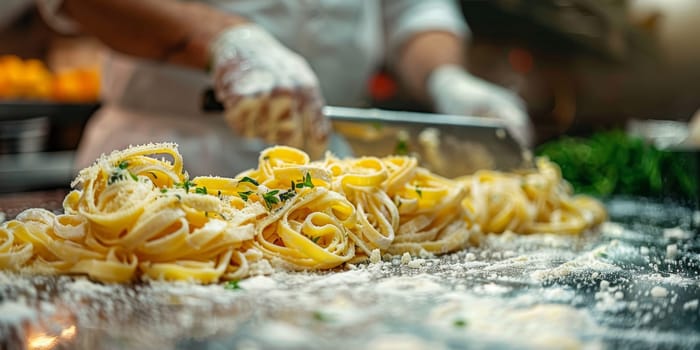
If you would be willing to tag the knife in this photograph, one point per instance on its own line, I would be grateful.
(449, 145)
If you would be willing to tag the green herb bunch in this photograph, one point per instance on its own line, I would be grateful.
(612, 162)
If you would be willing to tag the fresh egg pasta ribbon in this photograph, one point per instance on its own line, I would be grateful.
(534, 201)
(135, 215)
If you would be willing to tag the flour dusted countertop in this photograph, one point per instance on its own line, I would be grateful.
(615, 288)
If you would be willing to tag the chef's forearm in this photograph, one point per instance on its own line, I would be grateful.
(424, 52)
(173, 31)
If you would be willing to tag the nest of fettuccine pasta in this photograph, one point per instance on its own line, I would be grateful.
(136, 215)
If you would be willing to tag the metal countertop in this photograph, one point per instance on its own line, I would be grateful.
(635, 283)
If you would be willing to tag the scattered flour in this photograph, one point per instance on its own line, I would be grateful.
(258, 283)
(659, 292)
(416, 263)
(493, 289)
(402, 342)
(607, 299)
(86, 287)
(691, 305)
(677, 233)
(617, 231)
(558, 294)
(488, 323)
(260, 267)
(460, 298)
(425, 254)
(14, 316)
(343, 278)
(375, 256)
(671, 251)
(418, 285)
(509, 254)
(583, 264)
(13, 313)
(670, 279)
(286, 335)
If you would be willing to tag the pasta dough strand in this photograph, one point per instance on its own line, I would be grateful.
(134, 216)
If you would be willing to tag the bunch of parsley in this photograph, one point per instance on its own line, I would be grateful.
(612, 162)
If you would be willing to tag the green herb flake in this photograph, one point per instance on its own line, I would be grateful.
(186, 185)
(232, 285)
(222, 216)
(270, 198)
(201, 190)
(315, 239)
(123, 165)
(244, 195)
(320, 316)
(248, 179)
(119, 174)
(419, 192)
(285, 196)
(401, 147)
(163, 190)
(115, 176)
(153, 174)
(461, 323)
(306, 182)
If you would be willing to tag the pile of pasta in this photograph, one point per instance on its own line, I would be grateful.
(136, 215)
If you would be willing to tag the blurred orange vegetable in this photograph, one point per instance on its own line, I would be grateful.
(31, 80)
(76, 85)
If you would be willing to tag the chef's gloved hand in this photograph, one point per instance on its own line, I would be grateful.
(268, 91)
(455, 91)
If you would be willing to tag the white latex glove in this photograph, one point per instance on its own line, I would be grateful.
(268, 91)
(455, 91)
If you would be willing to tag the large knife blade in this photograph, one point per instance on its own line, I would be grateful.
(449, 145)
